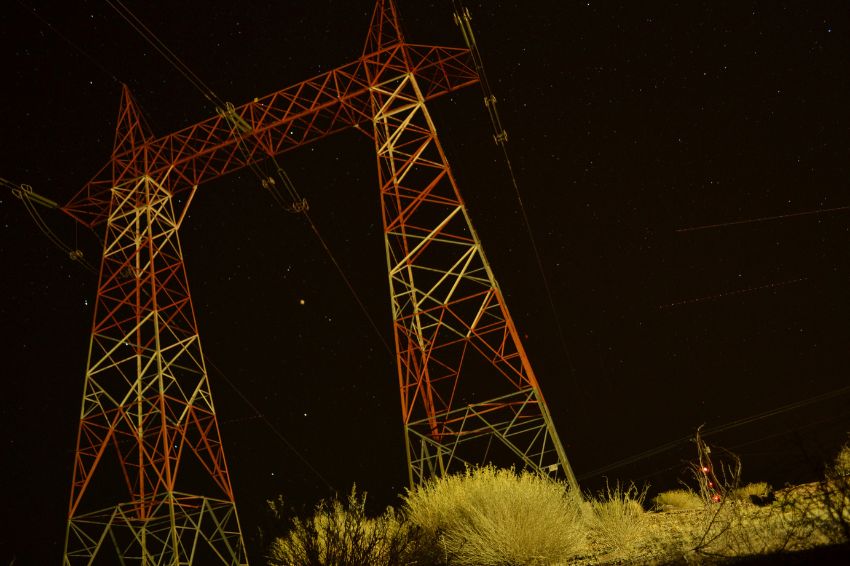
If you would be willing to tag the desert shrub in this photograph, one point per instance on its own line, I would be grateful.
(733, 529)
(678, 499)
(736, 528)
(835, 500)
(488, 516)
(832, 514)
(340, 533)
(747, 493)
(841, 466)
(672, 536)
(826, 505)
(617, 516)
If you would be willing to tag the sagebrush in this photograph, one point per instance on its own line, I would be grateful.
(490, 516)
(678, 499)
(340, 533)
(758, 490)
(841, 466)
(617, 517)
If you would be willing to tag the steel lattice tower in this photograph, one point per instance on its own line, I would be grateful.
(150, 483)
(146, 401)
(468, 393)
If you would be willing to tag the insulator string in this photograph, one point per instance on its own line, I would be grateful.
(500, 136)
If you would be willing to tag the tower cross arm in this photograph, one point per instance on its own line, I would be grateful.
(239, 136)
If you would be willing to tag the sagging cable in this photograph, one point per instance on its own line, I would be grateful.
(30, 199)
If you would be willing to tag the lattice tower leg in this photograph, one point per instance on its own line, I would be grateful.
(150, 482)
(468, 392)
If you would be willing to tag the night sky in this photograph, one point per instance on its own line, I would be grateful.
(629, 124)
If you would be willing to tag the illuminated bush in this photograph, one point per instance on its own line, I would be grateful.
(340, 533)
(490, 516)
(617, 517)
(841, 467)
(746, 493)
(678, 499)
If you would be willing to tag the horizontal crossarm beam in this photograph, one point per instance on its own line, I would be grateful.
(294, 116)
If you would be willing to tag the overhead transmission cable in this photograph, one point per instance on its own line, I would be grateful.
(274, 429)
(764, 219)
(210, 95)
(240, 128)
(293, 202)
(122, 10)
(32, 201)
(716, 430)
(68, 41)
(737, 447)
(463, 18)
(773, 285)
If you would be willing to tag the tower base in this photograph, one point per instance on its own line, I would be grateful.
(180, 529)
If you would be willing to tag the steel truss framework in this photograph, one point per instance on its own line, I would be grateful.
(146, 401)
(468, 393)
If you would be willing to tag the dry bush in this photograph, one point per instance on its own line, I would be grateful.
(617, 517)
(759, 490)
(490, 516)
(716, 532)
(833, 496)
(835, 500)
(739, 528)
(340, 533)
(826, 504)
(678, 499)
(732, 527)
(841, 466)
(671, 536)
(801, 518)
(723, 522)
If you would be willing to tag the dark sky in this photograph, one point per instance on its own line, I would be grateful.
(628, 122)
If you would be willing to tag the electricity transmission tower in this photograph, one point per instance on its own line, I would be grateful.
(148, 419)
(150, 483)
(468, 392)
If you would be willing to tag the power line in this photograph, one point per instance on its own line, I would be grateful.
(122, 10)
(295, 203)
(736, 292)
(68, 41)
(716, 430)
(268, 423)
(30, 198)
(763, 219)
(239, 128)
(500, 136)
(786, 432)
(349, 285)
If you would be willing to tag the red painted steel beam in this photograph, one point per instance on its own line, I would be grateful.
(284, 120)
